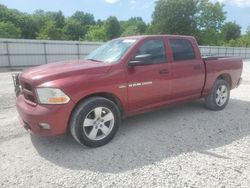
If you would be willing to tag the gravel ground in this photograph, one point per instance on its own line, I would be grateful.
(182, 146)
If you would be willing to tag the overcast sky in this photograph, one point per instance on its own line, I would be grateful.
(237, 10)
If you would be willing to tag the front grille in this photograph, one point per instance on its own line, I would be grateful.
(28, 92)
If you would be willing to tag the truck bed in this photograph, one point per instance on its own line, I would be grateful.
(228, 67)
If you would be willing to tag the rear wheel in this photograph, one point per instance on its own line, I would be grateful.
(95, 121)
(218, 97)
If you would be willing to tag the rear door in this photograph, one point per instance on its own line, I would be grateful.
(149, 85)
(188, 70)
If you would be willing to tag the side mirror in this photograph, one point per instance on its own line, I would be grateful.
(139, 60)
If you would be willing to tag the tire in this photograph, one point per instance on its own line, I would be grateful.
(95, 121)
(218, 97)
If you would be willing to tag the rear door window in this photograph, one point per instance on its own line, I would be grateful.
(182, 49)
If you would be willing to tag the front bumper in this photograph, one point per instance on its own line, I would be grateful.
(56, 116)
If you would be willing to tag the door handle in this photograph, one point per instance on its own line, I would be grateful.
(164, 71)
(197, 67)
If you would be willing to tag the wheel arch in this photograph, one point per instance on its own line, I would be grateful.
(226, 77)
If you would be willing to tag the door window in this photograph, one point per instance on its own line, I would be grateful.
(154, 47)
(182, 49)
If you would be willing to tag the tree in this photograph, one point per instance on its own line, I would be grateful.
(130, 30)
(231, 30)
(28, 26)
(113, 28)
(210, 15)
(134, 26)
(84, 18)
(99, 22)
(74, 30)
(200, 18)
(174, 17)
(57, 17)
(96, 33)
(9, 30)
(50, 32)
(248, 30)
(209, 19)
(42, 18)
(243, 41)
(210, 37)
(20, 20)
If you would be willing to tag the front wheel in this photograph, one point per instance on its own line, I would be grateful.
(218, 97)
(95, 121)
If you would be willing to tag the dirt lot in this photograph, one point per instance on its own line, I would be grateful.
(183, 146)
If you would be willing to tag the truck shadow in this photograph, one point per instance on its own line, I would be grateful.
(152, 137)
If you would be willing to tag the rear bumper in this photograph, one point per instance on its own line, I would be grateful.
(56, 116)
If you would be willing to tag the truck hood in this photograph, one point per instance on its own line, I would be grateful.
(64, 69)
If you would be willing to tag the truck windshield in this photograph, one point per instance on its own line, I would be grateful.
(111, 51)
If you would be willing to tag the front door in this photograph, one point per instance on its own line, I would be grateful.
(150, 84)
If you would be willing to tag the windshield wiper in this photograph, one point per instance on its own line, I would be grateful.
(95, 60)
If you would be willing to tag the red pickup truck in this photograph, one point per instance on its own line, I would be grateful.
(123, 77)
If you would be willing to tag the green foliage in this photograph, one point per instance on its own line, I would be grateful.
(174, 17)
(231, 30)
(9, 30)
(202, 18)
(84, 18)
(20, 20)
(99, 22)
(130, 31)
(243, 41)
(74, 30)
(210, 15)
(209, 19)
(41, 18)
(113, 28)
(248, 30)
(134, 26)
(96, 33)
(210, 37)
(50, 32)
(57, 17)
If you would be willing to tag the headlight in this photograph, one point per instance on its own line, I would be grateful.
(51, 96)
